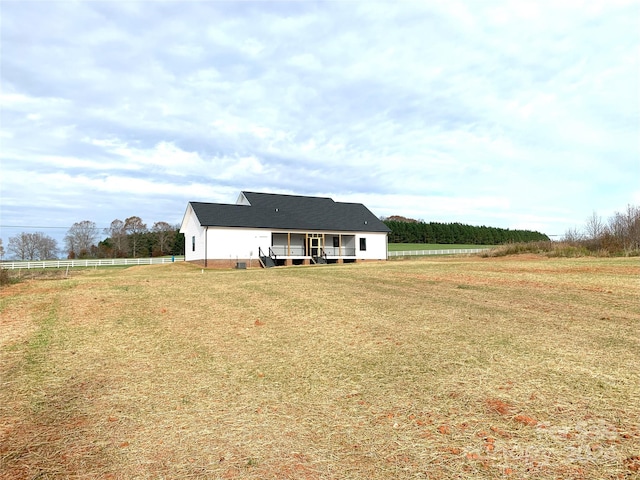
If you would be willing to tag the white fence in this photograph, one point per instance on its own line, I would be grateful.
(109, 262)
(451, 251)
(94, 262)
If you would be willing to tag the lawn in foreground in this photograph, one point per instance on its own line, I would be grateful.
(440, 368)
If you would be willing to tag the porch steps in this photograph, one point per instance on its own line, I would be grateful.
(267, 262)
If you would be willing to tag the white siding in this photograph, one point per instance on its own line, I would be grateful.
(191, 228)
(376, 246)
(236, 243)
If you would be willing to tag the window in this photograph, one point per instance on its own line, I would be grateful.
(363, 244)
(336, 242)
(193, 243)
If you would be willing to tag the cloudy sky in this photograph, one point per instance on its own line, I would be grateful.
(513, 114)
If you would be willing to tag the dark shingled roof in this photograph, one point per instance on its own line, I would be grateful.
(289, 212)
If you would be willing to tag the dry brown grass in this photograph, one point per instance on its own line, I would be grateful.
(522, 367)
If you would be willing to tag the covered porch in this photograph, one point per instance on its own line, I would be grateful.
(296, 248)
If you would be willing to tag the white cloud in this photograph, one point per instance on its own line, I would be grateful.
(306, 61)
(492, 112)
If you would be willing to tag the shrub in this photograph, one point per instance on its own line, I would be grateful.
(6, 278)
(540, 247)
(564, 250)
(550, 249)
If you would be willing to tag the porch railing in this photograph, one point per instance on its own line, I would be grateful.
(299, 251)
(283, 251)
(340, 251)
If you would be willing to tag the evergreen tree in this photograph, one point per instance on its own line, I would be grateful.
(458, 233)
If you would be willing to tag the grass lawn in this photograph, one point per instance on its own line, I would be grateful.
(396, 247)
(516, 367)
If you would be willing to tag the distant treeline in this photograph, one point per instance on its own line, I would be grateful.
(147, 244)
(128, 238)
(403, 231)
(132, 238)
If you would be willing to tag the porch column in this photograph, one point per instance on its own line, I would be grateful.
(288, 244)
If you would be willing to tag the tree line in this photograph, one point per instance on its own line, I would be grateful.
(31, 246)
(620, 234)
(129, 238)
(406, 230)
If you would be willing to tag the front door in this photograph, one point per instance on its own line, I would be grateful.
(315, 245)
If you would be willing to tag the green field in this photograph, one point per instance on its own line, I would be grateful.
(435, 368)
(397, 247)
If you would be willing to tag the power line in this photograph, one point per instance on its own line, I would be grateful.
(39, 226)
(27, 226)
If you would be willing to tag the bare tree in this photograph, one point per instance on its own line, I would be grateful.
(572, 235)
(47, 246)
(594, 228)
(80, 238)
(118, 236)
(633, 223)
(134, 227)
(21, 247)
(164, 236)
(32, 246)
(616, 225)
(625, 226)
(1, 251)
(623, 230)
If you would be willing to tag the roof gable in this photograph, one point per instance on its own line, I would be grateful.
(295, 212)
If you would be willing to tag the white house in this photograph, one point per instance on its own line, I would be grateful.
(270, 229)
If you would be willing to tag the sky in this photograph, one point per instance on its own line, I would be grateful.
(511, 114)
